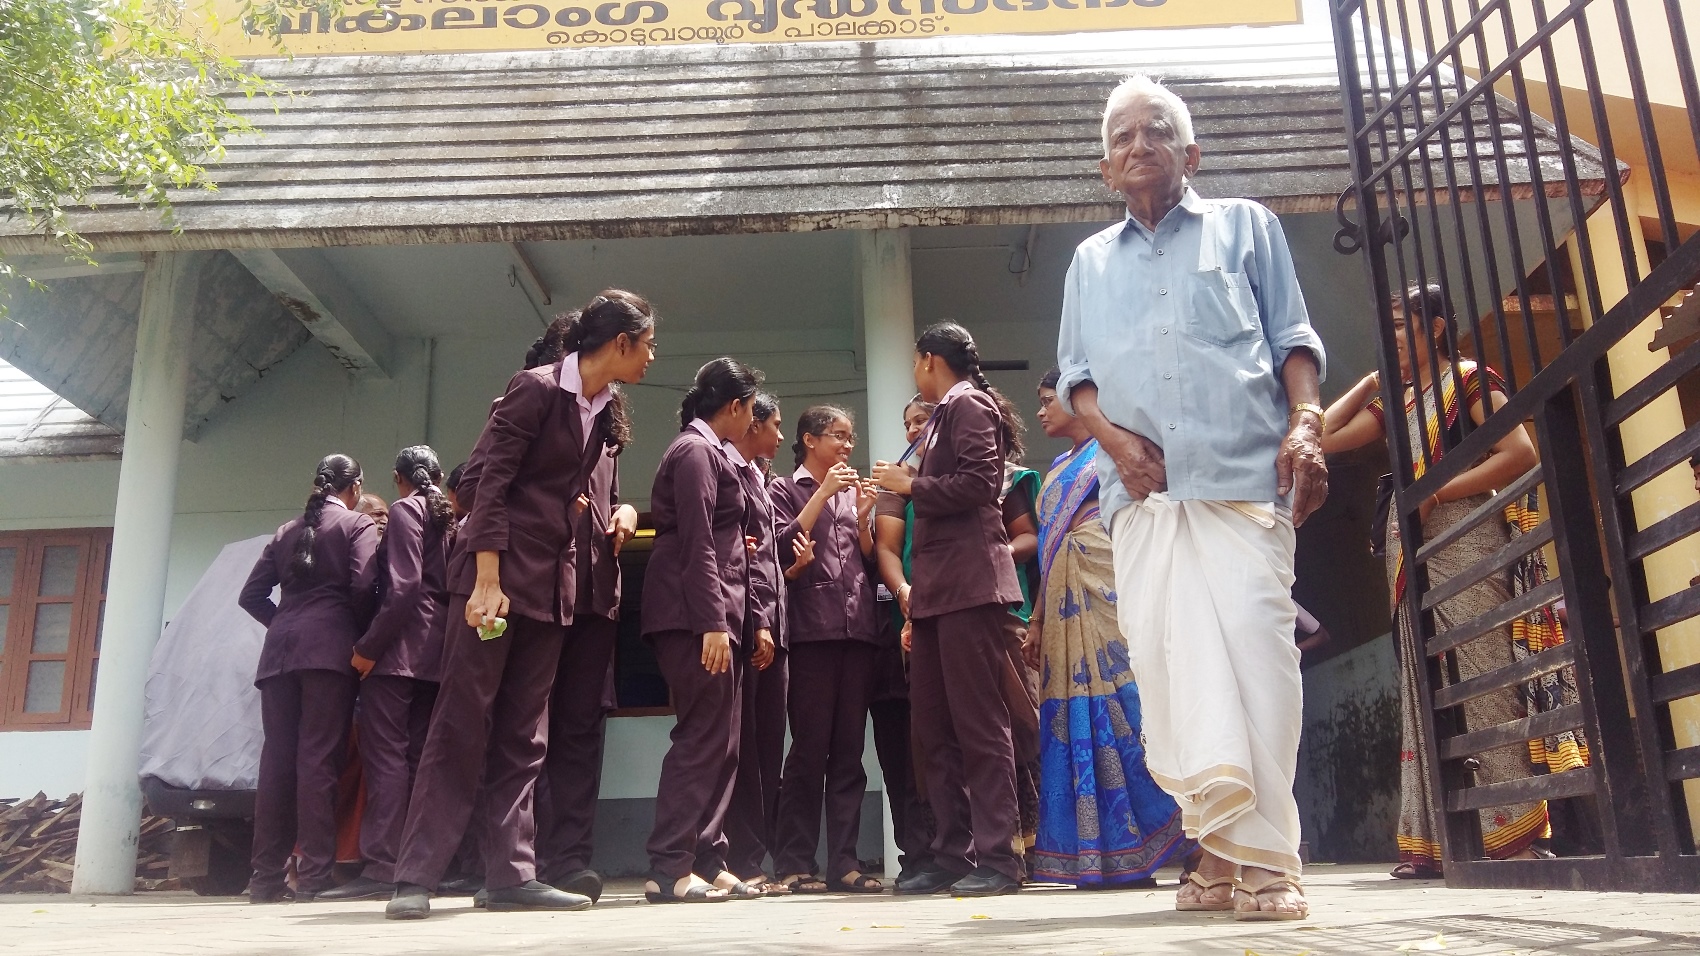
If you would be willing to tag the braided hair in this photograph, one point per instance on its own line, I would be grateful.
(336, 473)
(953, 343)
(815, 420)
(418, 465)
(612, 313)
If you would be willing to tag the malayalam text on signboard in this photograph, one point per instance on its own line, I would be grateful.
(415, 26)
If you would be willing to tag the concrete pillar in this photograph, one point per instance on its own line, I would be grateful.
(888, 330)
(1669, 570)
(135, 601)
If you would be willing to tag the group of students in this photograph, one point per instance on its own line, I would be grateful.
(477, 638)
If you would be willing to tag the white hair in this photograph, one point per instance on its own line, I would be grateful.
(1142, 87)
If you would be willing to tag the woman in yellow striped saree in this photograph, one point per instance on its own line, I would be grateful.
(1358, 418)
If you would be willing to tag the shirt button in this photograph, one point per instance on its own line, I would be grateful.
(1162, 291)
(1164, 330)
(1159, 252)
(1168, 375)
(1171, 426)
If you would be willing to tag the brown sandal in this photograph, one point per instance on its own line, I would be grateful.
(1256, 913)
(856, 881)
(804, 884)
(1205, 885)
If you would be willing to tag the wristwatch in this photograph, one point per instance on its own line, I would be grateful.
(1313, 408)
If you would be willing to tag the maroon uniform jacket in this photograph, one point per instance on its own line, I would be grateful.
(596, 581)
(765, 576)
(316, 623)
(833, 598)
(521, 484)
(698, 575)
(961, 551)
(406, 636)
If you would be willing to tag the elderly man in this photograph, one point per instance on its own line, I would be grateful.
(1187, 352)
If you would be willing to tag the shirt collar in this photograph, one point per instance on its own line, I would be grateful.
(1191, 203)
(573, 382)
(957, 389)
(334, 500)
(801, 473)
(733, 453)
(726, 447)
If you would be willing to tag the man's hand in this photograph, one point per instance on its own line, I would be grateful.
(717, 652)
(1138, 460)
(1302, 469)
(622, 526)
(763, 655)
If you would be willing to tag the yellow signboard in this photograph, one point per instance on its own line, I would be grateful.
(439, 26)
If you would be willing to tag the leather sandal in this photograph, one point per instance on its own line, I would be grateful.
(1256, 913)
(739, 890)
(700, 893)
(1205, 885)
(805, 884)
(856, 881)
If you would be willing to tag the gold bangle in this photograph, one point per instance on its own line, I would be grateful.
(1313, 408)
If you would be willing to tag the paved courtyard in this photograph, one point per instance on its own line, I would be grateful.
(1357, 910)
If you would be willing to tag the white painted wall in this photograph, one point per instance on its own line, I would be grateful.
(43, 761)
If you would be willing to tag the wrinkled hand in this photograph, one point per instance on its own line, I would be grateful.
(1302, 469)
(363, 664)
(894, 478)
(622, 527)
(763, 655)
(717, 652)
(1030, 644)
(908, 636)
(1139, 462)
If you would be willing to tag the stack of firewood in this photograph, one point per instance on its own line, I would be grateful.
(38, 846)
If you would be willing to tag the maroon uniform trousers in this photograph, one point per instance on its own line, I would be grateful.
(394, 717)
(832, 684)
(572, 771)
(305, 715)
(761, 754)
(956, 666)
(700, 768)
(489, 725)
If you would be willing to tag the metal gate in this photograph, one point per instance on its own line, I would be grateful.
(1469, 173)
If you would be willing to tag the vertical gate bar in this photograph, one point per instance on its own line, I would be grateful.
(1456, 204)
(1649, 132)
(1602, 132)
(1588, 291)
(1490, 250)
(1537, 180)
(1441, 274)
(1684, 68)
(1623, 799)
(1508, 192)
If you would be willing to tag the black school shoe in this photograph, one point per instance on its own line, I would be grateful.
(582, 882)
(359, 888)
(460, 886)
(928, 880)
(271, 894)
(533, 895)
(985, 881)
(411, 901)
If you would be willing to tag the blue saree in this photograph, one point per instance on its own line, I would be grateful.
(1102, 820)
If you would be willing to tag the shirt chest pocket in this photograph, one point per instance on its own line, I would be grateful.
(1223, 309)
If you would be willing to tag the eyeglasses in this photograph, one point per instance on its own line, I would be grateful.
(848, 438)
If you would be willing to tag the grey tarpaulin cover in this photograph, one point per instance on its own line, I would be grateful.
(202, 730)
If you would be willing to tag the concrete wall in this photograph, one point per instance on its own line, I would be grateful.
(1348, 779)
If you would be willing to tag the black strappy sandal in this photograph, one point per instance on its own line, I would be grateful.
(701, 893)
(739, 890)
(856, 881)
(806, 885)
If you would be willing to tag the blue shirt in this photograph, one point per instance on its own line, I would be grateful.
(1184, 330)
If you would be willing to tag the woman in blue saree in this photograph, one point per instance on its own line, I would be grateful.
(1103, 822)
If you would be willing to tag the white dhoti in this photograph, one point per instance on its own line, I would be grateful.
(1204, 598)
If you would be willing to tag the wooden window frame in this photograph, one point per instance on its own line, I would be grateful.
(82, 653)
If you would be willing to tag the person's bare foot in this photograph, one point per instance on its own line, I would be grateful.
(1211, 868)
(1272, 894)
